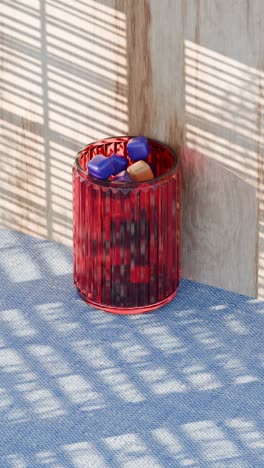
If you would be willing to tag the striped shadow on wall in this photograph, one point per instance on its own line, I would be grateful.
(224, 143)
(63, 84)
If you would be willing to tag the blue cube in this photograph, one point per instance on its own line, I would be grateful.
(123, 176)
(118, 162)
(138, 148)
(100, 167)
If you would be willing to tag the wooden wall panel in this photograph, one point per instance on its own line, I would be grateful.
(63, 85)
(187, 72)
(222, 71)
(197, 81)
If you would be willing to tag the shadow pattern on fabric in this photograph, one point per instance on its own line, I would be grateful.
(182, 386)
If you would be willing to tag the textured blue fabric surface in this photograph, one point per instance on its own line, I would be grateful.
(182, 386)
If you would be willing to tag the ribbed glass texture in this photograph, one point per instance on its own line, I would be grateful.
(127, 237)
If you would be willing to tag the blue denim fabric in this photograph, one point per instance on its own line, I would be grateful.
(181, 386)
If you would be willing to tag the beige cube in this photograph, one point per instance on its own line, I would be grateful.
(140, 171)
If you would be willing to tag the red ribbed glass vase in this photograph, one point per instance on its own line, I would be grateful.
(127, 236)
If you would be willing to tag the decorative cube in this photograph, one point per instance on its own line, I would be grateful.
(119, 163)
(100, 167)
(138, 148)
(140, 171)
(123, 176)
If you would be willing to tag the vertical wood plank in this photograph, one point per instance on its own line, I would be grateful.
(221, 105)
(22, 159)
(194, 85)
(63, 84)
(260, 187)
(156, 78)
(187, 72)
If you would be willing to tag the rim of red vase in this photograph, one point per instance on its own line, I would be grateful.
(109, 183)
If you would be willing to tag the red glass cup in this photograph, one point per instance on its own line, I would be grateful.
(127, 236)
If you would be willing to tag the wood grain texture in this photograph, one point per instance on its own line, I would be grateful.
(199, 92)
(63, 84)
(221, 109)
(187, 72)
(156, 78)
